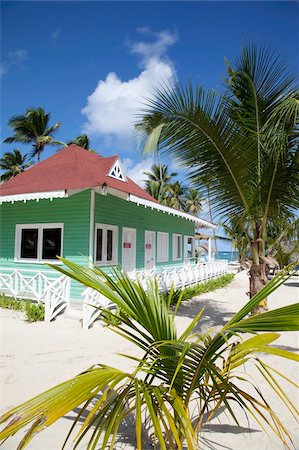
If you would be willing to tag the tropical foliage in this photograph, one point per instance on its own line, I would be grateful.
(189, 292)
(169, 192)
(83, 141)
(241, 144)
(13, 163)
(33, 128)
(178, 384)
(157, 182)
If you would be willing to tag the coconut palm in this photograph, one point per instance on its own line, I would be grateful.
(13, 163)
(158, 180)
(176, 195)
(148, 126)
(192, 201)
(245, 140)
(236, 234)
(179, 382)
(33, 128)
(83, 141)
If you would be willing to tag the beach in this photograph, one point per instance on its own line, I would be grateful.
(36, 356)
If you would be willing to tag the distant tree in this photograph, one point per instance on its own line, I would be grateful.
(158, 180)
(13, 163)
(177, 195)
(83, 141)
(33, 128)
(192, 202)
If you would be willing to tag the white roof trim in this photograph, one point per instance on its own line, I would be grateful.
(117, 171)
(33, 196)
(166, 209)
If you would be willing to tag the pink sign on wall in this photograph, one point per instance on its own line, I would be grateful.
(127, 245)
(148, 246)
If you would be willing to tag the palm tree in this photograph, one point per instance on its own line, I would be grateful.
(158, 180)
(148, 126)
(13, 163)
(33, 128)
(83, 141)
(192, 201)
(246, 140)
(176, 195)
(236, 234)
(180, 380)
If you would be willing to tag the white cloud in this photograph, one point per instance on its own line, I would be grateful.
(16, 58)
(114, 105)
(55, 35)
(135, 171)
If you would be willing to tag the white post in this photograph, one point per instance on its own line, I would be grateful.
(210, 249)
(91, 227)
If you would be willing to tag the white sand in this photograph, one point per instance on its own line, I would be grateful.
(35, 357)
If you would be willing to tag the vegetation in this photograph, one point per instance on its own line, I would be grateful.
(182, 294)
(11, 303)
(242, 145)
(34, 312)
(171, 193)
(178, 384)
(83, 141)
(33, 128)
(13, 163)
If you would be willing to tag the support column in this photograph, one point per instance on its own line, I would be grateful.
(209, 249)
(91, 227)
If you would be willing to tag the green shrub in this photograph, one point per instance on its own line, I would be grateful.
(11, 303)
(34, 311)
(189, 292)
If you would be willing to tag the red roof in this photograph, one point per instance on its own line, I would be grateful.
(71, 168)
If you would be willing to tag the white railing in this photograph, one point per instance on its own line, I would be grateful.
(43, 287)
(177, 276)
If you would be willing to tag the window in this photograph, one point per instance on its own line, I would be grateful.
(38, 242)
(176, 247)
(189, 247)
(106, 243)
(162, 247)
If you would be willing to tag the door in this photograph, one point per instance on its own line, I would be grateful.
(129, 249)
(149, 249)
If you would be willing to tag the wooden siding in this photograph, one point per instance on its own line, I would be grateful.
(116, 211)
(72, 211)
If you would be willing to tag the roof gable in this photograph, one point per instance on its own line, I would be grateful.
(117, 171)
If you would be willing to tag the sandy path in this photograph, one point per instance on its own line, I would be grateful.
(37, 356)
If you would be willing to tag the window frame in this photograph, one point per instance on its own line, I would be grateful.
(159, 234)
(186, 257)
(175, 246)
(40, 227)
(105, 227)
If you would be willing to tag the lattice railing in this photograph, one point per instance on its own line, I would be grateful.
(177, 276)
(42, 287)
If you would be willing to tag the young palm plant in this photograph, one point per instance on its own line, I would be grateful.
(177, 374)
(242, 145)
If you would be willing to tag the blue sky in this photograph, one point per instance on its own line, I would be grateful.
(91, 64)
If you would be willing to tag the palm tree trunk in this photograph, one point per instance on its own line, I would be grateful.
(258, 274)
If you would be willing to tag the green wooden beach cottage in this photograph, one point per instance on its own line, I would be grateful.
(83, 206)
